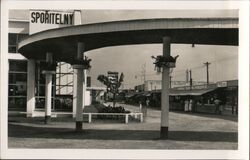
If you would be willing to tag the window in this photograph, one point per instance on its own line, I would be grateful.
(17, 103)
(17, 65)
(13, 41)
(40, 79)
(17, 85)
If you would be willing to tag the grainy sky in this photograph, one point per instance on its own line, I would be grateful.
(130, 58)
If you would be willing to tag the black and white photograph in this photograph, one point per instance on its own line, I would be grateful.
(136, 80)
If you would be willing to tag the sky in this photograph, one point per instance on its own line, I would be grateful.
(130, 59)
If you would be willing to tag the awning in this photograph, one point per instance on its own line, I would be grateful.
(129, 95)
(147, 94)
(195, 92)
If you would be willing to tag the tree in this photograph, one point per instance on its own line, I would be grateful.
(112, 83)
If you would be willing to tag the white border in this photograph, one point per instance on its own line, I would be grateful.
(241, 153)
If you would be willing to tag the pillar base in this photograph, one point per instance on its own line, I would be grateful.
(29, 115)
(78, 126)
(164, 132)
(47, 119)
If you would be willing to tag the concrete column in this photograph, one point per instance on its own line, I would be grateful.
(75, 86)
(48, 89)
(79, 99)
(30, 107)
(90, 118)
(165, 91)
(79, 88)
(77, 21)
(126, 118)
(74, 92)
(85, 86)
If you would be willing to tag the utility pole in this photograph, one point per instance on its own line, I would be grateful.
(191, 80)
(144, 75)
(187, 77)
(207, 64)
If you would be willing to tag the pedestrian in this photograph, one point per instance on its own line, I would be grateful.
(144, 107)
(147, 102)
(190, 106)
(217, 106)
(220, 108)
(234, 105)
(144, 110)
(186, 105)
(140, 106)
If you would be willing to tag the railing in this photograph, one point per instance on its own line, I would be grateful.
(116, 114)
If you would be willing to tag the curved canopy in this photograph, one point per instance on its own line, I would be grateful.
(62, 42)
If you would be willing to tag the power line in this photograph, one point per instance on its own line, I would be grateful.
(217, 60)
(191, 79)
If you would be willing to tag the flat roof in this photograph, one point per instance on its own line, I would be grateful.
(194, 92)
(62, 42)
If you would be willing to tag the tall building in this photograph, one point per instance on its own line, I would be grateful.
(23, 72)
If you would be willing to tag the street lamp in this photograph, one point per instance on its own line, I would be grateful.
(81, 63)
(162, 61)
(163, 65)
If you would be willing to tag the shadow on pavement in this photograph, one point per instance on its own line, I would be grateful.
(20, 131)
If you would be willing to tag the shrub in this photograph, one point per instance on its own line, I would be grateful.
(109, 109)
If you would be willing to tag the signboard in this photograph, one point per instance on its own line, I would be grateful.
(44, 20)
(222, 84)
(200, 86)
(113, 77)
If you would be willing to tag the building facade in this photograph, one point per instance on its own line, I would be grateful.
(26, 77)
(17, 65)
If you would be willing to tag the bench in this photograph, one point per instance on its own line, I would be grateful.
(116, 114)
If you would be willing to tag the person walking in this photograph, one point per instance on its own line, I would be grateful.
(144, 107)
(190, 106)
(186, 105)
(140, 106)
(147, 102)
(217, 106)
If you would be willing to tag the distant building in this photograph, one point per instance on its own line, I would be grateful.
(203, 95)
(152, 85)
(139, 88)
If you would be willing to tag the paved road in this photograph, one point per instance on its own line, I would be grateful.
(187, 131)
